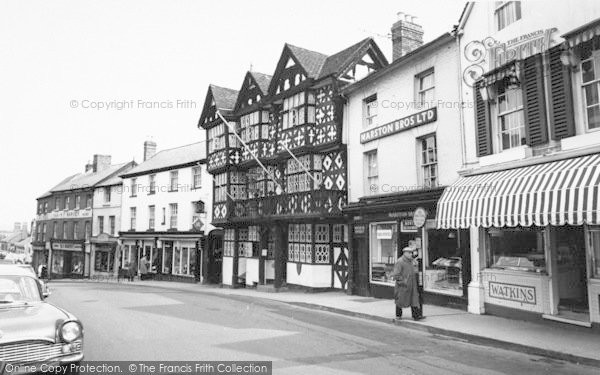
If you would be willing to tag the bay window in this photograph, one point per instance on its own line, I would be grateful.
(254, 126)
(297, 178)
(298, 109)
(216, 138)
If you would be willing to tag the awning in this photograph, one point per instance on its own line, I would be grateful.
(508, 71)
(583, 34)
(556, 193)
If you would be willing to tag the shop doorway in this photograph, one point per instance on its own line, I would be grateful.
(571, 271)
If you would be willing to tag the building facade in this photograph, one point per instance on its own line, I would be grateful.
(403, 130)
(280, 168)
(166, 214)
(528, 190)
(64, 220)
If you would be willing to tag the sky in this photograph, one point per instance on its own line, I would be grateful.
(79, 78)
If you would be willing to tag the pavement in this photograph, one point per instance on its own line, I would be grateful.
(554, 340)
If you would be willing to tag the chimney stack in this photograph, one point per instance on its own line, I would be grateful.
(100, 163)
(89, 167)
(149, 149)
(406, 35)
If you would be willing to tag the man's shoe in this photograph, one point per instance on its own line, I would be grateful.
(417, 318)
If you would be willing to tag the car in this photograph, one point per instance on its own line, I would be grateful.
(33, 332)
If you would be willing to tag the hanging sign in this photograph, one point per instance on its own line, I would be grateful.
(419, 217)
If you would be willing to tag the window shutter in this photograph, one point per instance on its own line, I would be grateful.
(561, 97)
(534, 102)
(482, 124)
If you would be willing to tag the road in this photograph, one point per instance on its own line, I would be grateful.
(133, 322)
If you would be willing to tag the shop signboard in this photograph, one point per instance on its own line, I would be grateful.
(359, 229)
(408, 226)
(513, 292)
(417, 119)
(66, 246)
(384, 234)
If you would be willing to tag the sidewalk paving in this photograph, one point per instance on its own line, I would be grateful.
(569, 343)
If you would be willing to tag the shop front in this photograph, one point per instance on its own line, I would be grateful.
(163, 256)
(535, 234)
(103, 255)
(383, 225)
(67, 259)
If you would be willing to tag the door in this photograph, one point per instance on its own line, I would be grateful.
(571, 271)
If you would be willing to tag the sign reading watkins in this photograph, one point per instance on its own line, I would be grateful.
(400, 125)
(512, 292)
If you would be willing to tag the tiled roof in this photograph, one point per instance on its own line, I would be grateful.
(85, 180)
(262, 80)
(224, 98)
(335, 63)
(311, 61)
(171, 158)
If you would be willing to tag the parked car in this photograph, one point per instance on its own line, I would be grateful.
(34, 332)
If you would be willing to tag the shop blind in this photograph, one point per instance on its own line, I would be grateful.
(534, 101)
(561, 97)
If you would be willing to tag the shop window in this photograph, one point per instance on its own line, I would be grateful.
(591, 90)
(429, 167)
(228, 242)
(167, 258)
(444, 268)
(506, 13)
(594, 244)
(370, 111)
(383, 249)
(126, 256)
(517, 249)
(103, 261)
(371, 172)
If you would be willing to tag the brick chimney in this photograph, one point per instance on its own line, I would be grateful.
(406, 35)
(100, 163)
(149, 149)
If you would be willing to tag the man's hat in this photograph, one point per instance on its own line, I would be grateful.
(408, 249)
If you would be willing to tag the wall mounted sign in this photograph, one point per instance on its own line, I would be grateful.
(400, 125)
(384, 234)
(419, 217)
(62, 214)
(66, 246)
(359, 229)
(401, 214)
(487, 54)
(408, 226)
(513, 292)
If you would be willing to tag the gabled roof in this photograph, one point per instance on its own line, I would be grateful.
(87, 180)
(224, 98)
(337, 63)
(311, 61)
(262, 80)
(170, 159)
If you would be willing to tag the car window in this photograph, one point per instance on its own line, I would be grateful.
(18, 289)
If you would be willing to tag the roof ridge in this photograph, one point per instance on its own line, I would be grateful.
(174, 148)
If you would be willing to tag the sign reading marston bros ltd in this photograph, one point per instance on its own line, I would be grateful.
(400, 125)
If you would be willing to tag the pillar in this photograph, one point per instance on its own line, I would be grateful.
(280, 255)
(476, 288)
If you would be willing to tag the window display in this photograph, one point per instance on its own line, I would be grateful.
(103, 261)
(383, 251)
(517, 249)
(444, 261)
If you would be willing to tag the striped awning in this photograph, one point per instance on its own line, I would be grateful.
(509, 71)
(583, 33)
(556, 193)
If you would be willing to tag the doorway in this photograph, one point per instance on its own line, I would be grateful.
(571, 271)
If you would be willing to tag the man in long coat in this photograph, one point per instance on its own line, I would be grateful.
(406, 292)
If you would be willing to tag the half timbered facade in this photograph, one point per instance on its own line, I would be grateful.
(280, 171)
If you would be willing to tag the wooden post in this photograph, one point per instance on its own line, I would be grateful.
(280, 253)
(351, 270)
(263, 244)
(236, 258)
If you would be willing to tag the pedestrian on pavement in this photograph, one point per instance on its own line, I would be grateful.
(406, 292)
(132, 270)
(143, 268)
